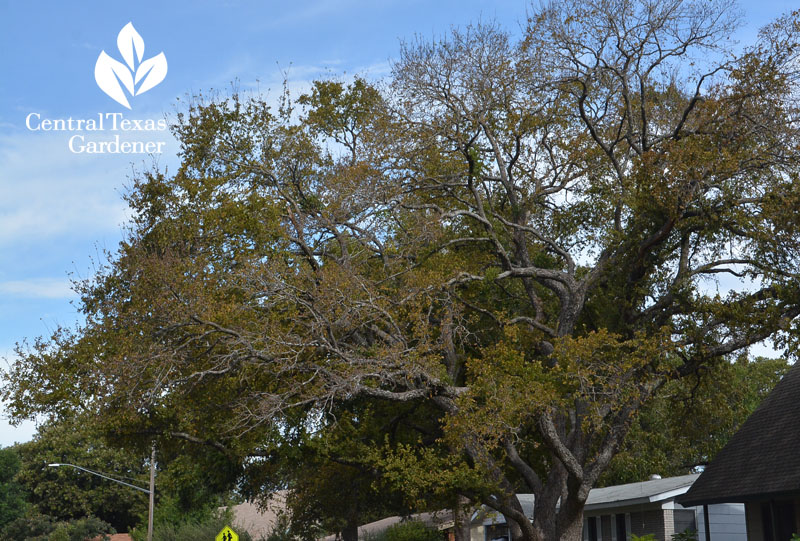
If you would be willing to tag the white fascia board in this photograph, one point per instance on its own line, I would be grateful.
(672, 494)
(668, 495)
(618, 503)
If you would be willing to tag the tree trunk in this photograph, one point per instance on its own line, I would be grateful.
(350, 532)
(572, 530)
(570, 520)
(516, 532)
(461, 515)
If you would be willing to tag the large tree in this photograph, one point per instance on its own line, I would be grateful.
(521, 239)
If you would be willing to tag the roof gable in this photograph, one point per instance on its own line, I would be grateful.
(655, 490)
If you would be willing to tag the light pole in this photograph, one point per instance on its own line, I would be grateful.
(149, 492)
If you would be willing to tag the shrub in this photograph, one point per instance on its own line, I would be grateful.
(38, 527)
(87, 528)
(412, 530)
(192, 530)
(31, 526)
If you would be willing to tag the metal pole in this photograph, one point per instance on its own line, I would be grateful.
(152, 493)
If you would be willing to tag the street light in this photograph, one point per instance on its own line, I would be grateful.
(149, 492)
(103, 476)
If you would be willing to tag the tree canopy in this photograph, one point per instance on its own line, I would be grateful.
(12, 495)
(519, 241)
(691, 419)
(36, 499)
(65, 493)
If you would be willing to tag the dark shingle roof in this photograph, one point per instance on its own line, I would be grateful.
(762, 460)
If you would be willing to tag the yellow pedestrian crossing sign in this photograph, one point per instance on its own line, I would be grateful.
(227, 534)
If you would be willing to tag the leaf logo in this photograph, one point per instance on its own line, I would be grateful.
(137, 77)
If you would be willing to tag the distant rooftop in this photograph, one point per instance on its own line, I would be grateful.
(258, 520)
(654, 490)
(439, 519)
(643, 492)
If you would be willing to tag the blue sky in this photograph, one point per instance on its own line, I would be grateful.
(60, 210)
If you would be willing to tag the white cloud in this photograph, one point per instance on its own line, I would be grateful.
(248, 73)
(46, 191)
(43, 288)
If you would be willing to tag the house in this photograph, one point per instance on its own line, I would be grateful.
(614, 513)
(760, 467)
(489, 525)
(259, 520)
(649, 507)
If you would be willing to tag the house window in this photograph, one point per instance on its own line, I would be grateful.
(777, 520)
(619, 521)
(592, 523)
(497, 532)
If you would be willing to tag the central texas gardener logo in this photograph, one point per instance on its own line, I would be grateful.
(137, 77)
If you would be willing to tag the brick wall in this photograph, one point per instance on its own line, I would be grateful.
(669, 523)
